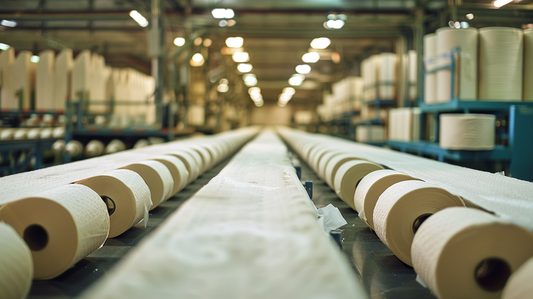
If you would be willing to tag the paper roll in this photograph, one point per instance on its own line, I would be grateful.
(34, 133)
(7, 134)
(323, 162)
(16, 265)
(467, 253)
(204, 154)
(58, 132)
(94, 148)
(157, 177)
(189, 162)
(114, 146)
(61, 226)
(46, 133)
(177, 169)
(348, 177)
(528, 64)
(430, 81)
(314, 161)
(402, 208)
(519, 284)
(20, 134)
(333, 166)
(74, 148)
(126, 195)
(372, 133)
(370, 189)
(467, 131)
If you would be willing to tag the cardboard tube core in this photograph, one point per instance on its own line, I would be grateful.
(492, 274)
(110, 204)
(36, 237)
(418, 221)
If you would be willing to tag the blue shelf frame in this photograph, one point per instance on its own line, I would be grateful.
(35, 146)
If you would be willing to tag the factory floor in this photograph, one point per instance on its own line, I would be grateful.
(381, 273)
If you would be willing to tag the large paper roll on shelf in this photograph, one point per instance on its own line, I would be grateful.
(519, 284)
(466, 67)
(402, 208)
(430, 81)
(500, 63)
(157, 177)
(467, 253)
(349, 175)
(16, 265)
(177, 169)
(467, 131)
(61, 226)
(333, 166)
(370, 189)
(528, 65)
(94, 148)
(126, 195)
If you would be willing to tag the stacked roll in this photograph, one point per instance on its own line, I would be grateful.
(16, 265)
(528, 64)
(370, 133)
(412, 74)
(387, 76)
(500, 63)
(467, 131)
(7, 93)
(430, 80)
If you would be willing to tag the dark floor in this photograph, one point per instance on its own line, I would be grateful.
(382, 274)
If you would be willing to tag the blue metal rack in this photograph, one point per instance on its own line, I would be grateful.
(10, 150)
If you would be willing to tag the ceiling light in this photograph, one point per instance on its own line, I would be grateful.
(259, 104)
(197, 60)
(4, 46)
(207, 42)
(231, 23)
(223, 88)
(138, 18)
(335, 24)
(224, 81)
(320, 43)
(249, 79)
(332, 16)
(234, 42)
(179, 41)
(289, 90)
(244, 67)
(240, 57)
(254, 90)
(465, 25)
(284, 97)
(311, 57)
(296, 80)
(223, 23)
(303, 69)
(470, 16)
(8, 23)
(35, 59)
(197, 41)
(342, 17)
(256, 97)
(335, 57)
(221, 13)
(500, 3)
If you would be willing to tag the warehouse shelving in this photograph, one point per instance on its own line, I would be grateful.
(11, 151)
(520, 119)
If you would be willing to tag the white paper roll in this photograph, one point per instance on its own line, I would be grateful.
(467, 131)
(519, 284)
(387, 76)
(333, 166)
(323, 162)
(348, 177)
(46, 133)
(204, 154)
(7, 93)
(430, 81)
(16, 264)
(115, 146)
(62, 78)
(370, 189)
(94, 148)
(74, 148)
(20, 134)
(60, 226)
(126, 195)
(528, 65)
(44, 80)
(401, 209)
(180, 175)
(500, 63)
(467, 253)
(189, 162)
(34, 133)
(157, 177)
(466, 74)
(372, 133)
(59, 132)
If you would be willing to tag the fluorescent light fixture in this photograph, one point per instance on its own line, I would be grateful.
(470, 16)
(197, 60)
(303, 69)
(284, 97)
(179, 41)
(500, 3)
(234, 42)
(259, 104)
(4, 46)
(138, 18)
(335, 24)
(244, 67)
(231, 23)
(296, 80)
(311, 57)
(320, 43)
(207, 42)
(249, 79)
(256, 97)
(223, 23)
(240, 57)
(254, 90)
(289, 90)
(35, 58)
(465, 25)
(223, 88)
(8, 23)
(223, 13)
(224, 81)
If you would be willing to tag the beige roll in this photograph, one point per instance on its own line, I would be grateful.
(34, 133)
(349, 175)
(323, 162)
(46, 133)
(126, 195)
(430, 81)
(115, 146)
(314, 163)
(205, 155)
(7, 134)
(94, 148)
(333, 166)
(157, 177)
(402, 208)
(467, 253)
(61, 226)
(519, 285)
(16, 264)
(371, 187)
(197, 157)
(58, 132)
(467, 131)
(74, 148)
(177, 169)
(20, 134)
(189, 162)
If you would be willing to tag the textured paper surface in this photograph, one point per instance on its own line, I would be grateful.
(349, 175)
(467, 131)
(519, 284)
(16, 265)
(333, 166)
(180, 175)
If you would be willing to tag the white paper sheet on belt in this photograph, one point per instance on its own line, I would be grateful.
(519, 284)
(467, 131)
(126, 195)
(467, 253)
(508, 197)
(245, 234)
(349, 175)
(370, 189)
(60, 226)
(16, 265)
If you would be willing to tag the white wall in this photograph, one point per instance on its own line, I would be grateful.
(271, 114)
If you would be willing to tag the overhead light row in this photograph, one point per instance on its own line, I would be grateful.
(140, 19)
(223, 13)
(8, 23)
(285, 96)
(223, 85)
(255, 95)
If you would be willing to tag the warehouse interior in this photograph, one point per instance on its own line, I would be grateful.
(385, 113)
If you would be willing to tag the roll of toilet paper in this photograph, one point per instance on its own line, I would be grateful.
(333, 166)
(7, 134)
(177, 169)
(466, 65)
(467, 253)
(115, 146)
(126, 195)
(74, 148)
(34, 133)
(157, 177)
(58, 132)
(196, 156)
(528, 64)
(46, 133)
(370, 189)
(500, 63)
(519, 284)
(430, 80)
(323, 162)
(16, 264)
(61, 226)
(348, 177)
(189, 162)
(94, 148)
(467, 131)
(402, 208)
(387, 76)
(204, 154)
(21, 133)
